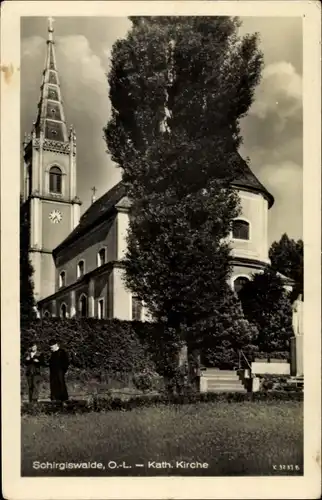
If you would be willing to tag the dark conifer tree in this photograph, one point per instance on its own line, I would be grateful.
(179, 87)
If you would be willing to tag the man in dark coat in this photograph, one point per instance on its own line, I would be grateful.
(58, 366)
(34, 360)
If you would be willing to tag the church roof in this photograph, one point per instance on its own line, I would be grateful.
(95, 214)
(247, 179)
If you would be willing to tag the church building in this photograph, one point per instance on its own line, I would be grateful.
(77, 259)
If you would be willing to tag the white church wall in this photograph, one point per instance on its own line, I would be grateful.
(122, 303)
(87, 248)
(255, 211)
(122, 226)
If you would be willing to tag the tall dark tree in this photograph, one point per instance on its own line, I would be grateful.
(287, 257)
(179, 87)
(27, 301)
(267, 305)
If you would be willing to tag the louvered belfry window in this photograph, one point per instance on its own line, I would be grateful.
(55, 180)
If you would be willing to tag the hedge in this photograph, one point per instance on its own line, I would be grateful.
(94, 345)
(99, 346)
(105, 345)
(109, 404)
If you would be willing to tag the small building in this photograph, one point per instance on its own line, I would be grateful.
(77, 260)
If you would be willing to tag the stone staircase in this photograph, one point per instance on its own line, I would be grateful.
(215, 380)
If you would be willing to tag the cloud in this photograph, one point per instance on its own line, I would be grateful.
(279, 92)
(273, 139)
(32, 46)
(273, 129)
(75, 54)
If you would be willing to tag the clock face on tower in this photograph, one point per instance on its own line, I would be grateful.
(55, 216)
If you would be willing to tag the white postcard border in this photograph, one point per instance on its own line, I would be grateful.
(16, 487)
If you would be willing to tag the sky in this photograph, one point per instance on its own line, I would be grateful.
(272, 131)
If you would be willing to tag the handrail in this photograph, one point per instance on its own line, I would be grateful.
(241, 351)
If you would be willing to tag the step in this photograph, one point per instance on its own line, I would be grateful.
(216, 371)
(231, 383)
(226, 389)
(223, 381)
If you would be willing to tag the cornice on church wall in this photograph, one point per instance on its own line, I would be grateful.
(84, 280)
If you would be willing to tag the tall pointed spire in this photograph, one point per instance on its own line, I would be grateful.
(51, 118)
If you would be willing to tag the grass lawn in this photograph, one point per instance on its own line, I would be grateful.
(248, 438)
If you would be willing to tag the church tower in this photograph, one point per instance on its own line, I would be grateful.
(49, 177)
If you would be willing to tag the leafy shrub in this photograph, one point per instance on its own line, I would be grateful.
(272, 355)
(147, 380)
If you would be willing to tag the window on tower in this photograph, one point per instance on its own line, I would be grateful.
(53, 129)
(55, 180)
(53, 112)
(52, 77)
(240, 229)
(52, 94)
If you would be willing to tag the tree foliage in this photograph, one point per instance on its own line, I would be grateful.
(287, 257)
(27, 301)
(229, 333)
(267, 305)
(179, 87)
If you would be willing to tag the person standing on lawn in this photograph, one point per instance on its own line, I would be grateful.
(34, 360)
(58, 366)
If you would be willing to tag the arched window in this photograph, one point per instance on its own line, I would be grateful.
(239, 283)
(80, 269)
(240, 230)
(100, 309)
(136, 309)
(46, 314)
(83, 306)
(55, 180)
(101, 257)
(63, 310)
(62, 279)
